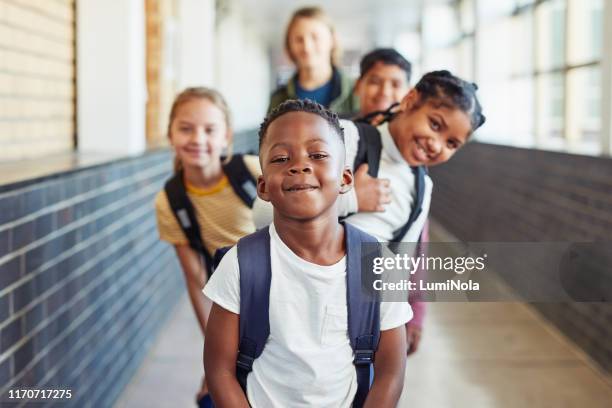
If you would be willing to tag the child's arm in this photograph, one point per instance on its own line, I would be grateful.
(195, 277)
(220, 354)
(368, 194)
(414, 328)
(191, 264)
(389, 367)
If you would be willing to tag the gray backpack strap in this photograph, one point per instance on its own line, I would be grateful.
(241, 179)
(417, 207)
(186, 216)
(369, 148)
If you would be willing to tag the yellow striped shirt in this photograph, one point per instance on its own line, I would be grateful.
(222, 216)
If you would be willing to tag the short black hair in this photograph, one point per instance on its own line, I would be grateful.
(388, 56)
(301, 105)
(449, 90)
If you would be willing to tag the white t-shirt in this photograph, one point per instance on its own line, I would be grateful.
(396, 169)
(307, 360)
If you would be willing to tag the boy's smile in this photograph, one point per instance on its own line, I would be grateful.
(298, 188)
(302, 161)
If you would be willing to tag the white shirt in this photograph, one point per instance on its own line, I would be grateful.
(307, 360)
(392, 166)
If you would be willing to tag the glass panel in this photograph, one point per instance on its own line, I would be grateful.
(521, 111)
(584, 110)
(550, 111)
(522, 44)
(496, 101)
(466, 10)
(494, 59)
(551, 34)
(586, 30)
(489, 9)
(409, 45)
(443, 58)
(465, 69)
(520, 3)
(440, 25)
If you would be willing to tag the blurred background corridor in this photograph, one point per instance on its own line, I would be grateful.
(92, 300)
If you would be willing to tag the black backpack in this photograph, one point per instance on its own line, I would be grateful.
(369, 150)
(243, 184)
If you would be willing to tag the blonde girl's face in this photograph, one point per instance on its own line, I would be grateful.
(199, 133)
(310, 43)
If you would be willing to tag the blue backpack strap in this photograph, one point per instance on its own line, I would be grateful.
(241, 179)
(186, 216)
(255, 279)
(369, 148)
(417, 207)
(363, 312)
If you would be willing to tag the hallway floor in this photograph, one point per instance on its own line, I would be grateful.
(471, 355)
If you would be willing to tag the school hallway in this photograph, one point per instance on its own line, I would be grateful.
(490, 354)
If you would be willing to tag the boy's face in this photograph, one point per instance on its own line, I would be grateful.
(430, 134)
(302, 160)
(380, 87)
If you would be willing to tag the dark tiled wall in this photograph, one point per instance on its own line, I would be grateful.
(498, 193)
(84, 282)
(246, 141)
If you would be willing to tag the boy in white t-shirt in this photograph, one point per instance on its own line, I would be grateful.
(307, 359)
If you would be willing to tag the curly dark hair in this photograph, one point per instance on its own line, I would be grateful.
(301, 105)
(451, 91)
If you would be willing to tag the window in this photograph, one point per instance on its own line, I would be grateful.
(584, 110)
(586, 31)
(409, 45)
(538, 65)
(550, 36)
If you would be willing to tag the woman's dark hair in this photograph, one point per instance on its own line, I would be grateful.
(446, 89)
(388, 56)
(301, 105)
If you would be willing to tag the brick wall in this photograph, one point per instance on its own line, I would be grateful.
(36, 78)
(498, 193)
(161, 82)
(84, 281)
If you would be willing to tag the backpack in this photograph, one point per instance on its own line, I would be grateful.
(369, 151)
(255, 279)
(243, 184)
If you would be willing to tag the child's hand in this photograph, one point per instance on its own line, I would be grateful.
(413, 338)
(372, 193)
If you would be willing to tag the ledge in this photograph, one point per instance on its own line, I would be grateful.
(21, 173)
